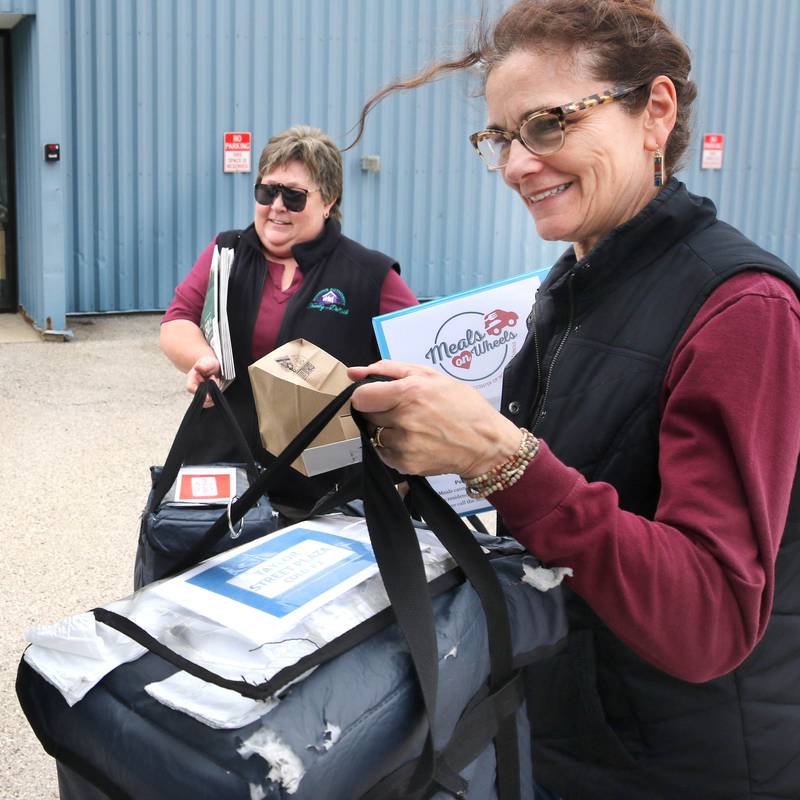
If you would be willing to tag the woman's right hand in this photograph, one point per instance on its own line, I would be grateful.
(204, 369)
(432, 424)
(185, 346)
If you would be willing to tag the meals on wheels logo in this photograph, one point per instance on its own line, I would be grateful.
(472, 345)
(330, 300)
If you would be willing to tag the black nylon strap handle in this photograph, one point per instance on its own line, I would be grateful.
(397, 553)
(266, 478)
(477, 726)
(464, 548)
(142, 637)
(396, 548)
(455, 536)
(483, 722)
(188, 428)
(282, 679)
(458, 540)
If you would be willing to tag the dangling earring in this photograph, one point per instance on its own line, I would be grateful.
(658, 164)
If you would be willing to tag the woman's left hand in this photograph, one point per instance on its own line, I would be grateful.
(432, 424)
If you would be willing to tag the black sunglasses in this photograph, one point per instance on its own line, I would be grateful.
(294, 199)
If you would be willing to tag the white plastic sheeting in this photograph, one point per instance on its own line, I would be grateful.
(218, 632)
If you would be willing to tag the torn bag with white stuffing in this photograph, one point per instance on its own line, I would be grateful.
(424, 698)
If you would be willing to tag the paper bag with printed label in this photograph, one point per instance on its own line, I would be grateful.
(291, 385)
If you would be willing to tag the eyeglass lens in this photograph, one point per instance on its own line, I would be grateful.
(542, 134)
(494, 150)
(293, 199)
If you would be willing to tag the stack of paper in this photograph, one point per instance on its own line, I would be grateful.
(214, 317)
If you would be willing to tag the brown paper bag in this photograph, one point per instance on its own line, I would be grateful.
(291, 385)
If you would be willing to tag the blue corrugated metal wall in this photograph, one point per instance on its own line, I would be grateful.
(24, 51)
(40, 208)
(746, 60)
(17, 6)
(153, 84)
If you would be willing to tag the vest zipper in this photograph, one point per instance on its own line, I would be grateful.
(536, 349)
(539, 409)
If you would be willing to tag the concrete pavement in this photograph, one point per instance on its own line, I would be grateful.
(14, 329)
(80, 424)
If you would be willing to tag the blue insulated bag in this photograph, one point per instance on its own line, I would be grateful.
(168, 530)
(424, 699)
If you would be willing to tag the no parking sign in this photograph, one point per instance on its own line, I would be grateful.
(236, 151)
(713, 147)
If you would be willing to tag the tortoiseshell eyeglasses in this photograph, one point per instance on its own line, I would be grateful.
(542, 132)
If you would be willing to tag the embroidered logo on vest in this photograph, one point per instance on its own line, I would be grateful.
(330, 300)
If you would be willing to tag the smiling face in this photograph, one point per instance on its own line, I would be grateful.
(280, 229)
(602, 176)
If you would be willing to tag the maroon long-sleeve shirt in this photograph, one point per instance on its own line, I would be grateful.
(190, 295)
(691, 590)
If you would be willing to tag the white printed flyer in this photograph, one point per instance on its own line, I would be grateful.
(470, 336)
(273, 582)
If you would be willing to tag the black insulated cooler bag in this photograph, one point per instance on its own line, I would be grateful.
(424, 699)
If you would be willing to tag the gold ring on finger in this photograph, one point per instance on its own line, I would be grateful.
(376, 437)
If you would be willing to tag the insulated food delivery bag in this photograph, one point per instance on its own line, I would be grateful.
(336, 658)
(185, 500)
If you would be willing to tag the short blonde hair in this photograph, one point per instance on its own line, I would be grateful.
(316, 151)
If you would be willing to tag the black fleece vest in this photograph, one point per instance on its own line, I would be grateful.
(333, 308)
(606, 724)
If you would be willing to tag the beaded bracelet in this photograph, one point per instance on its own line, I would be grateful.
(507, 473)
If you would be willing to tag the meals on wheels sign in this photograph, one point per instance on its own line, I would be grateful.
(470, 336)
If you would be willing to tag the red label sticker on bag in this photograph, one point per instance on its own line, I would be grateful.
(203, 485)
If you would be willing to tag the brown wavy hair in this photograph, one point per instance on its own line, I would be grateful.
(623, 43)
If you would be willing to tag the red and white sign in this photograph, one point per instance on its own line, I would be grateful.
(205, 485)
(236, 151)
(713, 146)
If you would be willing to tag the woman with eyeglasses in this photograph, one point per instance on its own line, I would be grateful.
(294, 275)
(648, 436)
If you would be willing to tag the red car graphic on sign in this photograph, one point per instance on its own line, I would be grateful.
(498, 319)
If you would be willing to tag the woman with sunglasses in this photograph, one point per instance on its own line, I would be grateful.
(294, 275)
(648, 437)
